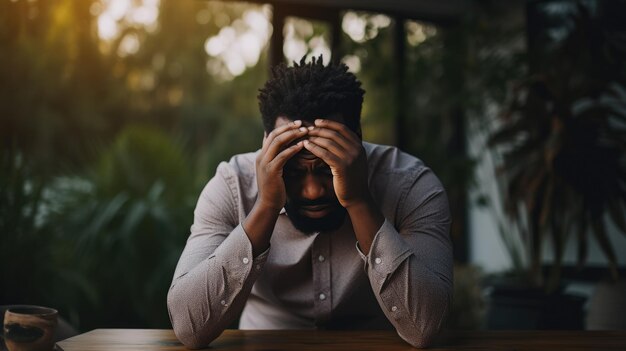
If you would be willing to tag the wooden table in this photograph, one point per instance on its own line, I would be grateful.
(302, 340)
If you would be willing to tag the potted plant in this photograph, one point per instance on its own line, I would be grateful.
(562, 141)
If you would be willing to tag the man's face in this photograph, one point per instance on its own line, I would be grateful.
(311, 201)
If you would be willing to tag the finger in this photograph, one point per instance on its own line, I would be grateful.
(321, 152)
(330, 145)
(279, 130)
(338, 127)
(281, 159)
(282, 141)
(335, 136)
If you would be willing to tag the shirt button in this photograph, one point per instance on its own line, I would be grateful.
(322, 297)
(321, 258)
(245, 260)
(378, 260)
(258, 266)
(394, 308)
(223, 303)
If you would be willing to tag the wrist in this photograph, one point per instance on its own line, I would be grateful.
(366, 218)
(360, 204)
(267, 208)
(259, 225)
(366, 207)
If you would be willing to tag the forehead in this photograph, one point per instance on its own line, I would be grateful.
(305, 159)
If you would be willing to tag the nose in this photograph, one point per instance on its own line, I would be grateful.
(312, 188)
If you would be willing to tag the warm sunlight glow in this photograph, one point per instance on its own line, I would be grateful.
(129, 45)
(116, 15)
(353, 62)
(238, 45)
(107, 27)
(300, 40)
(363, 27)
(354, 26)
(416, 32)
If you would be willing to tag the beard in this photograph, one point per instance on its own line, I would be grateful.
(332, 221)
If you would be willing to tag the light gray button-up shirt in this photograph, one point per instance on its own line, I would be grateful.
(319, 280)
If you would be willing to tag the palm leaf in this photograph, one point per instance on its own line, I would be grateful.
(616, 212)
(599, 232)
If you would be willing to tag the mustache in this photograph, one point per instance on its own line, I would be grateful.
(316, 202)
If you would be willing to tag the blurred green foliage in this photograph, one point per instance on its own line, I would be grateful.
(100, 171)
(126, 221)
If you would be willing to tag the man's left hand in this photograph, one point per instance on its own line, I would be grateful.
(341, 149)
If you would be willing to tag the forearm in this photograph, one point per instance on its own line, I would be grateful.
(259, 226)
(416, 301)
(411, 276)
(366, 220)
(205, 299)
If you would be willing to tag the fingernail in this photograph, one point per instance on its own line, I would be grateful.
(311, 127)
(319, 121)
(297, 122)
(306, 142)
(300, 143)
(303, 129)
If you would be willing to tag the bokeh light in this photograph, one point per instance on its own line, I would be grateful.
(114, 16)
(239, 45)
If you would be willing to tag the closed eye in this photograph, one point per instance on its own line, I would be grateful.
(292, 173)
(324, 171)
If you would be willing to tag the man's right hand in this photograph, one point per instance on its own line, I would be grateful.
(274, 155)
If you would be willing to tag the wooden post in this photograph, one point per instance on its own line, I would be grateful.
(277, 40)
(399, 53)
(455, 42)
(335, 39)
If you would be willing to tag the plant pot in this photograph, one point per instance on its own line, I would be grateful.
(519, 307)
(607, 307)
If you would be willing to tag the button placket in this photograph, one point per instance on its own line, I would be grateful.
(320, 253)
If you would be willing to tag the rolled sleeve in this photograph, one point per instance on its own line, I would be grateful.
(216, 271)
(205, 300)
(410, 267)
(387, 252)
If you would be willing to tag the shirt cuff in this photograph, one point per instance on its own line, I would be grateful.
(238, 257)
(387, 252)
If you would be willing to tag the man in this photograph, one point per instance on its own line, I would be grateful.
(317, 229)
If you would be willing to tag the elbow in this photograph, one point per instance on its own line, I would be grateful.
(420, 344)
(186, 333)
(419, 340)
(184, 325)
(188, 339)
(424, 331)
(193, 339)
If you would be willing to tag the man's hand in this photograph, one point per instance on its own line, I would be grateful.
(275, 153)
(342, 150)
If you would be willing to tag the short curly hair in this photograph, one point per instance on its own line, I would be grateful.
(311, 90)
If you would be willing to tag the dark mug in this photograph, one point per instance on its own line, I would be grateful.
(30, 328)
